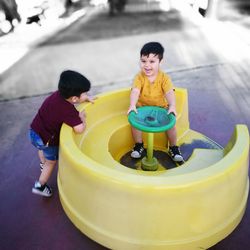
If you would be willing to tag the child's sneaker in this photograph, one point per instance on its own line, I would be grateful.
(41, 166)
(175, 154)
(43, 190)
(137, 151)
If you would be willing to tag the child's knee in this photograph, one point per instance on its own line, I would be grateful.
(50, 163)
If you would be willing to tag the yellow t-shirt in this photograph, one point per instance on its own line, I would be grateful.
(153, 94)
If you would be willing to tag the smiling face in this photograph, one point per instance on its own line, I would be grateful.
(150, 65)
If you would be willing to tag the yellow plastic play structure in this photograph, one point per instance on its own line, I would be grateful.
(192, 206)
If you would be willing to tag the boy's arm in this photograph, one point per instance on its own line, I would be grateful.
(91, 99)
(134, 96)
(81, 127)
(170, 96)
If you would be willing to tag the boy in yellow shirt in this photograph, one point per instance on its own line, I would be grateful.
(153, 87)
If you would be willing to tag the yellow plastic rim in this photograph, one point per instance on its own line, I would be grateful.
(126, 209)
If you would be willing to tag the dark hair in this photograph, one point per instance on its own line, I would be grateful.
(72, 83)
(152, 48)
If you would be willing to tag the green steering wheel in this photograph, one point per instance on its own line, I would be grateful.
(152, 119)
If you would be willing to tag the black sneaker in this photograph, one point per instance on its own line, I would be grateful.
(43, 190)
(175, 154)
(137, 151)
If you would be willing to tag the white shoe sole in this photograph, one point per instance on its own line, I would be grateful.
(35, 191)
(135, 155)
(178, 158)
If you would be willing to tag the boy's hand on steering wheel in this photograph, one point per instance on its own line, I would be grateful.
(132, 108)
(171, 109)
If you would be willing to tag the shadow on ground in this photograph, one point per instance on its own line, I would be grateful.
(103, 26)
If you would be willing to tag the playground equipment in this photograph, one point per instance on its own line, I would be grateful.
(192, 206)
(151, 119)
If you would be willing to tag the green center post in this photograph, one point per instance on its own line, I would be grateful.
(150, 163)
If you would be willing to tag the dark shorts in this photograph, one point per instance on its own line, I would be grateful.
(50, 152)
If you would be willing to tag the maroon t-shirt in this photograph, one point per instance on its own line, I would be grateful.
(54, 111)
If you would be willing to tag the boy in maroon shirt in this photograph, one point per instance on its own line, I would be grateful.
(57, 109)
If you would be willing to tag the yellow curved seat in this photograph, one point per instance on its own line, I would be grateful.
(190, 207)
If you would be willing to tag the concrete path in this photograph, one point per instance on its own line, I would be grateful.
(113, 63)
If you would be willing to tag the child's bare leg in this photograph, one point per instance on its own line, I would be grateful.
(172, 136)
(41, 156)
(137, 135)
(47, 171)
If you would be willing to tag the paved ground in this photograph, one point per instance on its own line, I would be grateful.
(212, 63)
(18, 43)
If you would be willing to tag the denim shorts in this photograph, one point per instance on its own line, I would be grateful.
(49, 152)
